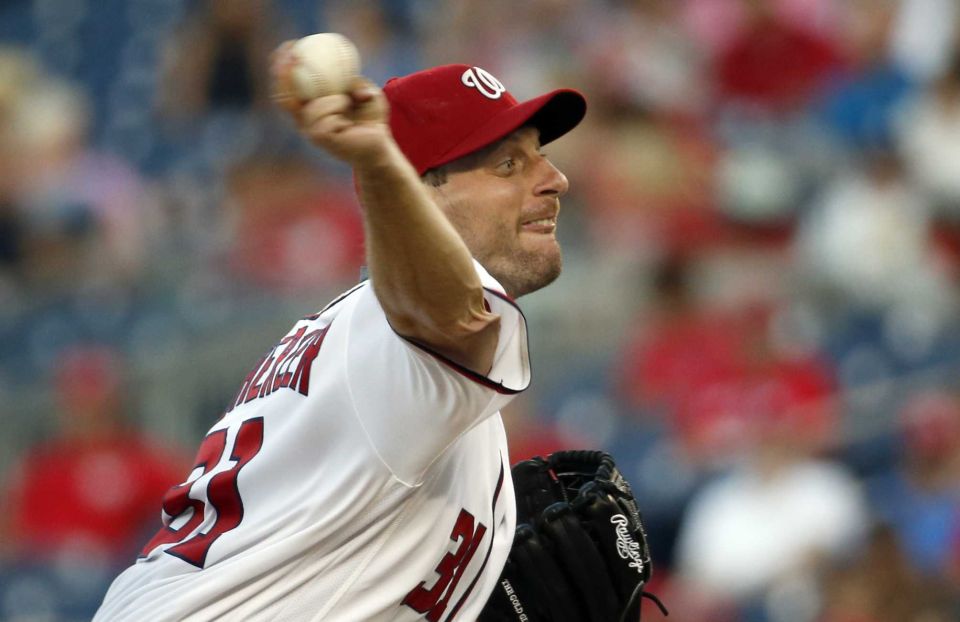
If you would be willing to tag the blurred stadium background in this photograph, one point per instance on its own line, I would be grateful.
(758, 314)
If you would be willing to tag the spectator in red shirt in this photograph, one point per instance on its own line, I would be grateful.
(296, 229)
(90, 490)
(772, 63)
(715, 378)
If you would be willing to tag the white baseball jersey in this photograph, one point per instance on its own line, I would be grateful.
(356, 476)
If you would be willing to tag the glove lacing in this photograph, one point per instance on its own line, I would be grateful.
(639, 592)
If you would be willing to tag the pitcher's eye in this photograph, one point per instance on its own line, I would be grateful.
(507, 166)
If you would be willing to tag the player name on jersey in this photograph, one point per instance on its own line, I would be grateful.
(285, 366)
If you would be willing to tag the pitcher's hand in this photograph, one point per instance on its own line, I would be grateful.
(351, 126)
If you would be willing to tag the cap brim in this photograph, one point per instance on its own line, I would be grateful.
(554, 114)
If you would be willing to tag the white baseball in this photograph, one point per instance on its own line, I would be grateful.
(327, 63)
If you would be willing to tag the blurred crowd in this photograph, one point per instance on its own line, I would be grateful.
(758, 314)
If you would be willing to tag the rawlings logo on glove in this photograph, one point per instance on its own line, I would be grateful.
(567, 564)
(627, 547)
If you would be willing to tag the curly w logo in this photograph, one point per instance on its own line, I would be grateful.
(483, 81)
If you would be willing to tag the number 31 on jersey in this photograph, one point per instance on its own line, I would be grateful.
(208, 504)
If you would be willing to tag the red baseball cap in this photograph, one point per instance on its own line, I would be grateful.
(441, 114)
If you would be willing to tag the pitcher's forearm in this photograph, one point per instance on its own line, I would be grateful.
(421, 269)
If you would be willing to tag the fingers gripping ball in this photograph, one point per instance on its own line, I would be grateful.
(580, 551)
(327, 63)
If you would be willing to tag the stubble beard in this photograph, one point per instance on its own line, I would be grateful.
(523, 271)
(519, 270)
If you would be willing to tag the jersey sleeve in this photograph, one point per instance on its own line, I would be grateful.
(412, 402)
